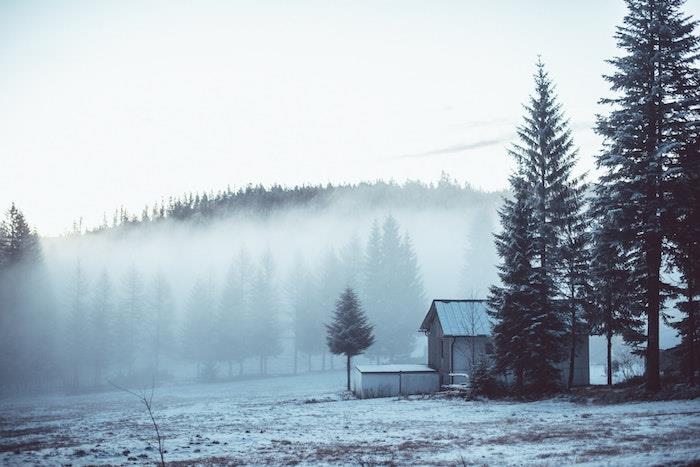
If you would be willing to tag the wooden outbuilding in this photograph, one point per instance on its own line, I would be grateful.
(459, 338)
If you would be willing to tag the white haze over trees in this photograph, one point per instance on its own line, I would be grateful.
(218, 285)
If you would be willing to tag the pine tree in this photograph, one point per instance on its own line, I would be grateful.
(613, 287)
(393, 289)
(350, 333)
(511, 303)
(573, 269)
(100, 338)
(302, 293)
(265, 326)
(198, 333)
(653, 84)
(77, 332)
(234, 318)
(26, 319)
(374, 293)
(130, 319)
(161, 334)
(545, 157)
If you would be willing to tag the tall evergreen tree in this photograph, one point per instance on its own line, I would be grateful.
(349, 333)
(511, 302)
(302, 293)
(26, 321)
(131, 323)
(613, 288)
(654, 85)
(546, 156)
(77, 329)
(394, 289)
(266, 332)
(574, 259)
(234, 318)
(100, 337)
(374, 293)
(198, 336)
(161, 333)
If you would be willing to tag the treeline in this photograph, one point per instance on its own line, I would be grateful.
(575, 260)
(260, 201)
(86, 329)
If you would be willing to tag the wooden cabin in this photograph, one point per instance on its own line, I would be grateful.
(459, 338)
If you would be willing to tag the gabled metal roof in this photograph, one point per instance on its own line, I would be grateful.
(459, 317)
(394, 369)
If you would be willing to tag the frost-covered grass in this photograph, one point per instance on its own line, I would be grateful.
(306, 419)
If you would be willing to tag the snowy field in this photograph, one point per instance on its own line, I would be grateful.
(305, 419)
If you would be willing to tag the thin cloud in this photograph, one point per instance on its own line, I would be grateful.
(456, 148)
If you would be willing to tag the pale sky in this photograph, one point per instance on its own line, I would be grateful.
(115, 103)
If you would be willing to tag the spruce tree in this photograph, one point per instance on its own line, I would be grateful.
(265, 332)
(161, 334)
(653, 84)
(234, 318)
(374, 293)
(545, 156)
(76, 332)
(613, 288)
(130, 319)
(101, 337)
(26, 318)
(573, 269)
(302, 292)
(349, 333)
(511, 303)
(198, 333)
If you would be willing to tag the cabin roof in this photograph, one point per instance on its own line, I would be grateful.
(459, 317)
(394, 369)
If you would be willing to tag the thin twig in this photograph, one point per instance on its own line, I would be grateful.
(148, 402)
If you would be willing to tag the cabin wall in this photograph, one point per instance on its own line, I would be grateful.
(434, 339)
(467, 353)
(368, 385)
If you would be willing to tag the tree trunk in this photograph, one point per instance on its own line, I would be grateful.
(691, 337)
(653, 376)
(609, 350)
(572, 356)
(348, 370)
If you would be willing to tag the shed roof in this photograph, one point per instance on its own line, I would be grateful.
(459, 317)
(394, 369)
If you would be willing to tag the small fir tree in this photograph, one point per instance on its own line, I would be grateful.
(350, 333)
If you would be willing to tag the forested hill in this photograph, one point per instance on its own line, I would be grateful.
(261, 201)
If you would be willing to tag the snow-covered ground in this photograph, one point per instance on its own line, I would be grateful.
(306, 419)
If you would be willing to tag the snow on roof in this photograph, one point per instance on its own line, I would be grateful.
(460, 317)
(394, 368)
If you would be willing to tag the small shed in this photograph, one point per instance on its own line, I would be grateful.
(393, 380)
